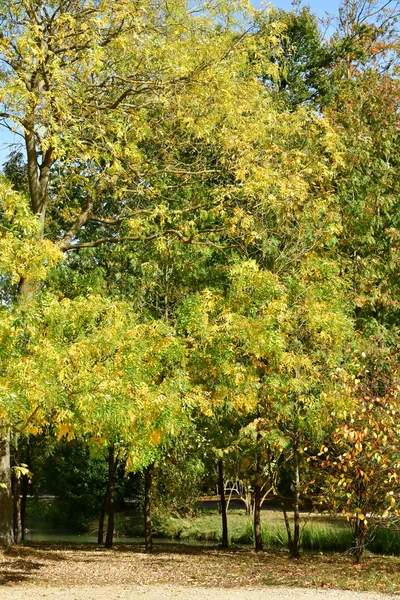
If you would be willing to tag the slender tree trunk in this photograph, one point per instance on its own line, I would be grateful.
(287, 525)
(6, 516)
(110, 496)
(225, 542)
(359, 540)
(359, 527)
(294, 540)
(248, 501)
(25, 489)
(16, 488)
(148, 483)
(295, 550)
(24, 496)
(102, 516)
(17, 511)
(258, 544)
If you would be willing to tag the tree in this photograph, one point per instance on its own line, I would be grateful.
(180, 473)
(123, 385)
(367, 192)
(268, 349)
(360, 459)
(116, 105)
(365, 115)
(305, 61)
(20, 254)
(76, 77)
(154, 137)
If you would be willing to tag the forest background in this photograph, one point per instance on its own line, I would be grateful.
(199, 256)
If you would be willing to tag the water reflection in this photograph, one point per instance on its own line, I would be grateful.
(42, 535)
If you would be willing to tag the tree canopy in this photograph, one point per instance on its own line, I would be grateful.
(199, 236)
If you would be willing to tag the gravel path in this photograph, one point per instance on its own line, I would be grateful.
(169, 592)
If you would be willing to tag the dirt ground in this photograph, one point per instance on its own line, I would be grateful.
(168, 592)
(89, 572)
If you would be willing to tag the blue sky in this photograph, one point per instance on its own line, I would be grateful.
(6, 138)
(318, 6)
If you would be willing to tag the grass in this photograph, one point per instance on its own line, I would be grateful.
(320, 533)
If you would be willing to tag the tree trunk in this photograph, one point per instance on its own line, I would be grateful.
(102, 515)
(258, 544)
(24, 496)
(110, 497)
(287, 524)
(359, 539)
(248, 501)
(16, 489)
(25, 488)
(17, 510)
(148, 482)
(225, 542)
(295, 549)
(6, 516)
(359, 526)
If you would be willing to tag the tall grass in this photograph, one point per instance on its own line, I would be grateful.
(327, 538)
(315, 536)
(319, 534)
(384, 541)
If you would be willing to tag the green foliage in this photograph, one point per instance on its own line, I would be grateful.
(178, 482)
(68, 484)
(305, 60)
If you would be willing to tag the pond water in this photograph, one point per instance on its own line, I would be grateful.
(39, 535)
(42, 535)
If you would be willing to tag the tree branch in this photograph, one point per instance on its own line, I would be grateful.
(136, 238)
(127, 238)
(80, 222)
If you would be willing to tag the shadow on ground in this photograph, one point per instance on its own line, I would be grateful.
(18, 571)
(20, 563)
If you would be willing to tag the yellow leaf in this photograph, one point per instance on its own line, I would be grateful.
(63, 431)
(155, 436)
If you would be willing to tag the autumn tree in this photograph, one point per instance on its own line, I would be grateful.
(176, 169)
(117, 106)
(360, 459)
(365, 115)
(20, 253)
